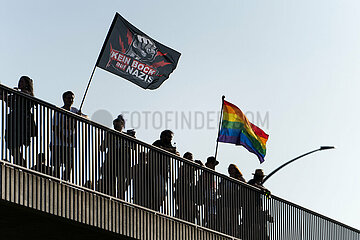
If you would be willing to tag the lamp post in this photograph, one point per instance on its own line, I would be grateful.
(276, 170)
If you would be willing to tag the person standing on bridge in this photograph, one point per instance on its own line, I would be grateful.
(63, 138)
(256, 217)
(159, 168)
(20, 124)
(184, 190)
(116, 167)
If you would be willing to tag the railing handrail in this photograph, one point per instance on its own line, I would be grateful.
(196, 166)
(314, 213)
(98, 125)
(85, 189)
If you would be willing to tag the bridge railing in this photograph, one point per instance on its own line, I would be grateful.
(40, 136)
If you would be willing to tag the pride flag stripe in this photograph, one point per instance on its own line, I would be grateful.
(245, 143)
(241, 136)
(237, 129)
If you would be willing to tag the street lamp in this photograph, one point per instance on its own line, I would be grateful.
(319, 149)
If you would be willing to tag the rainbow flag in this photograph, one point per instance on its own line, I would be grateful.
(237, 129)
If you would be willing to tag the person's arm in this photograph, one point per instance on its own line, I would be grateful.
(265, 191)
(81, 114)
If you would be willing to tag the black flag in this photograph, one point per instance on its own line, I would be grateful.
(131, 54)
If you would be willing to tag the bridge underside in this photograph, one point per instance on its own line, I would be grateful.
(37, 207)
(18, 222)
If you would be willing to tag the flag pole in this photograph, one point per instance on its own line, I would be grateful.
(221, 113)
(101, 52)
(87, 88)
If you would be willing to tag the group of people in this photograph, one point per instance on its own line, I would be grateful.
(153, 175)
(20, 127)
(220, 203)
(199, 196)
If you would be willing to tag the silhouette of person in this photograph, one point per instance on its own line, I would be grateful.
(199, 162)
(234, 172)
(184, 190)
(211, 163)
(256, 217)
(188, 156)
(116, 167)
(63, 137)
(164, 142)
(159, 167)
(208, 188)
(20, 124)
(229, 202)
(258, 179)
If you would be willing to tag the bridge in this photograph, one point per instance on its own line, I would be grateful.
(62, 175)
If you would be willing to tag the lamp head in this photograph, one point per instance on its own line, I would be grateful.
(326, 147)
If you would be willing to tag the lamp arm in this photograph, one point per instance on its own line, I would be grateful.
(287, 163)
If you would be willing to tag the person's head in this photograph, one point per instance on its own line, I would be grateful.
(166, 136)
(259, 175)
(68, 98)
(119, 123)
(199, 162)
(211, 162)
(234, 172)
(26, 85)
(188, 155)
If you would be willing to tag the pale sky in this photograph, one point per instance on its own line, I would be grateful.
(291, 65)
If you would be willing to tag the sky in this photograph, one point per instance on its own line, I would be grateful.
(291, 66)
